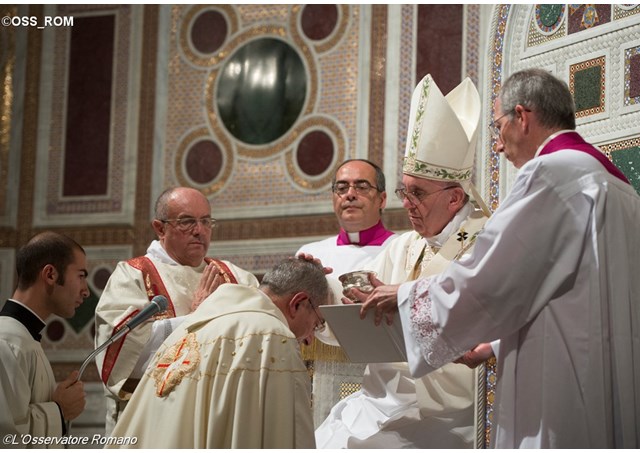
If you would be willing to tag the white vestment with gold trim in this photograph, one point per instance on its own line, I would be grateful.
(230, 376)
(393, 410)
(125, 293)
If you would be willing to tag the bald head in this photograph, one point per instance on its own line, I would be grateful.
(185, 242)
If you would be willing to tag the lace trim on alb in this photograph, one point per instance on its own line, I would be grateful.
(427, 334)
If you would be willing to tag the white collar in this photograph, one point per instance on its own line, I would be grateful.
(549, 138)
(354, 238)
(157, 251)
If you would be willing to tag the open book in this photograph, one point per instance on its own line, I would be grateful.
(361, 340)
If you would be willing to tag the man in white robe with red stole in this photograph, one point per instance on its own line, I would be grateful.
(176, 267)
(231, 375)
(394, 410)
(553, 275)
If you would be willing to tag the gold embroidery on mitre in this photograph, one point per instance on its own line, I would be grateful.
(176, 362)
(421, 169)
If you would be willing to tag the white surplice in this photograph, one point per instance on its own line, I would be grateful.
(555, 275)
(343, 258)
(26, 385)
(394, 410)
(232, 377)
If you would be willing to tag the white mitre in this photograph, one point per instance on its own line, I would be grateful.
(442, 135)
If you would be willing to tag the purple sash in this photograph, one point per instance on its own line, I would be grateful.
(573, 141)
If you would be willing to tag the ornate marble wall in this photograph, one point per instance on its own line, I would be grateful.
(87, 142)
(594, 49)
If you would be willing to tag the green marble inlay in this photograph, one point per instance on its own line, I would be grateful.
(549, 14)
(84, 313)
(628, 160)
(587, 88)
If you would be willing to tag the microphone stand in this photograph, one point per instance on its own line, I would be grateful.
(119, 334)
(158, 304)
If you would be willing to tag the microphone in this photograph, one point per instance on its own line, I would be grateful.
(157, 305)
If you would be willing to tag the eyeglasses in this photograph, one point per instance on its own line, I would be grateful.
(495, 127)
(417, 196)
(321, 322)
(186, 224)
(361, 187)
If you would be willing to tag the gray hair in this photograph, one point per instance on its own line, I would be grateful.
(543, 93)
(162, 203)
(380, 180)
(295, 275)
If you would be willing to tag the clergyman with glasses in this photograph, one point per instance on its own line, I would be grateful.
(231, 375)
(175, 266)
(394, 410)
(359, 196)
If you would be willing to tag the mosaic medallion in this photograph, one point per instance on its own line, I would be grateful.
(318, 21)
(255, 101)
(208, 31)
(323, 24)
(549, 18)
(204, 30)
(55, 330)
(321, 148)
(261, 90)
(246, 101)
(202, 162)
(314, 153)
(99, 278)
